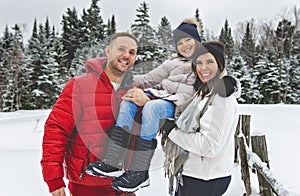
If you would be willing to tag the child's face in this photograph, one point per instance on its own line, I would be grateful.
(186, 47)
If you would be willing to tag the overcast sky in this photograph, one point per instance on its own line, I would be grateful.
(212, 12)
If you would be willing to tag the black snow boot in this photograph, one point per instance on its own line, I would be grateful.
(111, 164)
(138, 174)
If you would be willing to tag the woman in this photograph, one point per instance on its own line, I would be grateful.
(205, 129)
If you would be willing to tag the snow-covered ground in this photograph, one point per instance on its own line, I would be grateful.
(21, 137)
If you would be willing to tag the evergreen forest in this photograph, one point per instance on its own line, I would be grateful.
(264, 56)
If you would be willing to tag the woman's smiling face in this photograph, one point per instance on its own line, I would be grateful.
(206, 67)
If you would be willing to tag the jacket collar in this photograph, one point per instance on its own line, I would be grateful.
(96, 65)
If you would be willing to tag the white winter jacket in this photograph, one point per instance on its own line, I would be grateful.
(212, 148)
(175, 78)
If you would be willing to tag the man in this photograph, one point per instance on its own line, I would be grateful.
(77, 127)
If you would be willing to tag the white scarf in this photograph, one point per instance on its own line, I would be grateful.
(189, 120)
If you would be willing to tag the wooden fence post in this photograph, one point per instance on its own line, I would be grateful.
(257, 159)
(259, 147)
(244, 164)
(236, 141)
(245, 127)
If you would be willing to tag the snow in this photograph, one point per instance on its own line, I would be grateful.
(21, 135)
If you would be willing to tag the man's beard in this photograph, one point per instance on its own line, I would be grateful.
(116, 70)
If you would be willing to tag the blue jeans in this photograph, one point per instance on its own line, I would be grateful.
(152, 112)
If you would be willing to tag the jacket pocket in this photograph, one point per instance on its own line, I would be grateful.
(75, 166)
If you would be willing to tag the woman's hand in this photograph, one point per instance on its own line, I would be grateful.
(137, 96)
(226, 86)
(168, 124)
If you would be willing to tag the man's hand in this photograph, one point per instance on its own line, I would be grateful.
(59, 192)
(137, 96)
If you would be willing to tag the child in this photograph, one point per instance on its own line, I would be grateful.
(176, 84)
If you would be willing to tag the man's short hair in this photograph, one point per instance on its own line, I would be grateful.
(121, 34)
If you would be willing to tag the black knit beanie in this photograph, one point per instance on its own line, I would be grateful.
(186, 30)
(217, 50)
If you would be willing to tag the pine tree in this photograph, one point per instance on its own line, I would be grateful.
(165, 40)
(145, 35)
(237, 67)
(72, 36)
(6, 48)
(269, 78)
(32, 53)
(283, 46)
(111, 26)
(284, 33)
(248, 48)
(59, 55)
(293, 92)
(7, 40)
(35, 53)
(50, 84)
(93, 33)
(45, 88)
(260, 71)
(197, 17)
(47, 29)
(227, 39)
(16, 72)
(295, 50)
(293, 95)
(93, 23)
(23, 72)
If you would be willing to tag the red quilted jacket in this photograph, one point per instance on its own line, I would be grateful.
(75, 131)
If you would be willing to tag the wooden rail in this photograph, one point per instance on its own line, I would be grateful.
(258, 161)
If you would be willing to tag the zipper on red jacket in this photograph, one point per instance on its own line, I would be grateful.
(89, 153)
(81, 174)
(88, 161)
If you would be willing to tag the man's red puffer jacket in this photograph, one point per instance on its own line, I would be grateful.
(75, 131)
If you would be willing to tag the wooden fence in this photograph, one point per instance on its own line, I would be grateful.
(257, 160)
